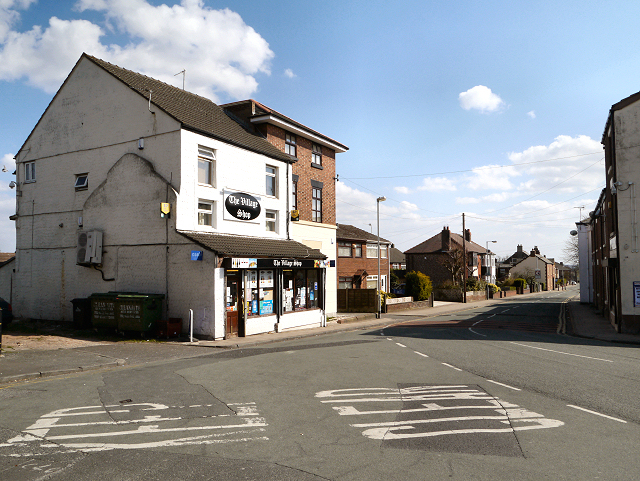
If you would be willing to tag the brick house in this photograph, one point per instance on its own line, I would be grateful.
(543, 268)
(429, 257)
(313, 195)
(507, 264)
(357, 261)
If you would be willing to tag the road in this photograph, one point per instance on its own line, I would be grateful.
(486, 393)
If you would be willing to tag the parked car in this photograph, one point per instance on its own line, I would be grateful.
(7, 313)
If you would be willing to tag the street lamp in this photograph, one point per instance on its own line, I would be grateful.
(489, 259)
(378, 200)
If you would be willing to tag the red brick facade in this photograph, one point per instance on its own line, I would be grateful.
(306, 172)
(350, 267)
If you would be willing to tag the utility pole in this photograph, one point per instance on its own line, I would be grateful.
(464, 261)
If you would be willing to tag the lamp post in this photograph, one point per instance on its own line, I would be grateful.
(489, 259)
(378, 200)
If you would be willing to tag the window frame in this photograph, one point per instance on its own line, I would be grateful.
(208, 156)
(271, 175)
(271, 220)
(316, 154)
(345, 245)
(374, 247)
(84, 185)
(30, 172)
(201, 211)
(290, 144)
(357, 248)
(316, 213)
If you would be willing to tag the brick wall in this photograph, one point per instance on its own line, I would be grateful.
(308, 172)
(347, 266)
(430, 265)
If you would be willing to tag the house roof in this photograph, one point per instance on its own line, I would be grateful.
(350, 232)
(226, 245)
(396, 255)
(194, 112)
(5, 256)
(434, 244)
(257, 113)
(541, 258)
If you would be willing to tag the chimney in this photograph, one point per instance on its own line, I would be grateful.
(533, 253)
(519, 248)
(467, 235)
(446, 238)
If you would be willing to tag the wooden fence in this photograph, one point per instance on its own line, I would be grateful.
(357, 300)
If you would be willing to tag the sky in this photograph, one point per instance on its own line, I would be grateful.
(494, 109)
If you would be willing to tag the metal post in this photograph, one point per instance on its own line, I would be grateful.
(378, 200)
(464, 261)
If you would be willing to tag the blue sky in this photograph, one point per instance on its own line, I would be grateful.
(492, 108)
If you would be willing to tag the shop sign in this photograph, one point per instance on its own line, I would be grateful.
(244, 263)
(636, 294)
(241, 206)
(197, 255)
(292, 263)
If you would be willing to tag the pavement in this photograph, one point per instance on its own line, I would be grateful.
(30, 365)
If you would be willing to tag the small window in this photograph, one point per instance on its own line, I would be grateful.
(272, 180)
(29, 172)
(372, 251)
(206, 164)
(272, 220)
(294, 195)
(372, 282)
(205, 213)
(82, 182)
(316, 154)
(358, 250)
(290, 144)
(344, 249)
(316, 207)
(345, 283)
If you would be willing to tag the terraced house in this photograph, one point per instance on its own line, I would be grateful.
(129, 184)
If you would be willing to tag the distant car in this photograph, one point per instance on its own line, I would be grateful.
(7, 313)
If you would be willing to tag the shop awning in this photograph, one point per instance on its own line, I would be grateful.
(226, 245)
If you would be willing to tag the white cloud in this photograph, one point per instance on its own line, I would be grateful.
(532, 114)
(487, 199)
(8, 162)
(480, 98)
(492, 177)
(162, 41)
(437, 184)
(402, 190)
(574, 154)
(289, 73)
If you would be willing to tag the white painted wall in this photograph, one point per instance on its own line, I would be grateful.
(627, 139)
(322, 237)
(586, 263)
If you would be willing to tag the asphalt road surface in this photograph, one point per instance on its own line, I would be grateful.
(488, 393)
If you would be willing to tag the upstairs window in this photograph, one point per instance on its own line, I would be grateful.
(272, 220)
(316, 154)
(206, 164)
(205, 213)
(82, 182)
(29, 172)
(344, 249)
(271, 177)
(290, 144)
(316, 204)
(358, 250)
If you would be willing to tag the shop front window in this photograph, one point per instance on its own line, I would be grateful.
(261, 285)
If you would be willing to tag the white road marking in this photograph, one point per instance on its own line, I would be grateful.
(420, 354)
(597, 414)
(452, 367)
(560, 352)
(503, 385)
(401, 345)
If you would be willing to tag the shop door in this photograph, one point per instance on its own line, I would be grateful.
(234, 305)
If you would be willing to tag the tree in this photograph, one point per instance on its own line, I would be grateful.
(571, 251)
(418, 285)
(454, 263)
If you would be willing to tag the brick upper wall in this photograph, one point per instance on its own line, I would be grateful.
(306, 173)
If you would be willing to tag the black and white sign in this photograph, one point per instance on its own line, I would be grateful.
(241, 206)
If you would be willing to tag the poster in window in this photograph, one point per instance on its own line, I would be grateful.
(253, 279)
(266, 279)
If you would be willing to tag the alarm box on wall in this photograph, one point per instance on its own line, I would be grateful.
(89, 250)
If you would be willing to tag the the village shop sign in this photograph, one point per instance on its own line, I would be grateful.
(280, 263)
(241, 206)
